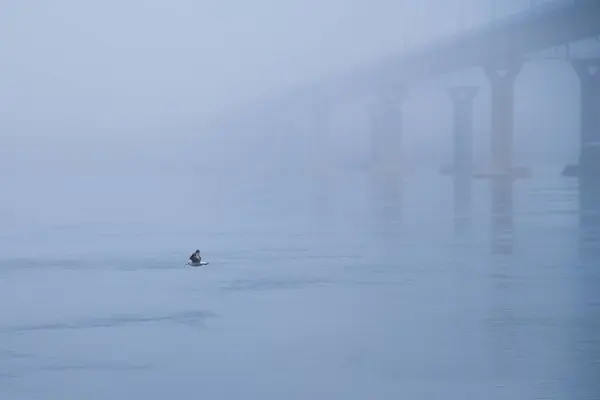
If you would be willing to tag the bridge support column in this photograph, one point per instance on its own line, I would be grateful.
(502, 80)
(386, 139)
(462, 98)
(589, 153)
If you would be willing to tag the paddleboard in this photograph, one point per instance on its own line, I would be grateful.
(191, 264)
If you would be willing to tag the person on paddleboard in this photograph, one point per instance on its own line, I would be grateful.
(195, 257)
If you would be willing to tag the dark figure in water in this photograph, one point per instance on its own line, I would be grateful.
(195, 258)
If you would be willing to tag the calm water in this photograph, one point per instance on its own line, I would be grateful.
(345, 288)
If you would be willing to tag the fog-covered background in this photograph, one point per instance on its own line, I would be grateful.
(133, 132)
(94, 84)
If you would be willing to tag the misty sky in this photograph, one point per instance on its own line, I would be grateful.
(119, 66)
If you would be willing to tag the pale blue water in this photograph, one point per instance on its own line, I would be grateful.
(340, 289)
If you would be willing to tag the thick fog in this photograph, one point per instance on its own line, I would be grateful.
(133, 132)
(118, 80)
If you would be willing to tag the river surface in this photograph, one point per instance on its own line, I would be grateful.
(347, 287)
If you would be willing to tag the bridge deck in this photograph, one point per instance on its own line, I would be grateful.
(553, 25)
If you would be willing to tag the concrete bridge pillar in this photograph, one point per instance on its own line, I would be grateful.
(589, 153)
(462, 98)
(502, 80)
(386, 136)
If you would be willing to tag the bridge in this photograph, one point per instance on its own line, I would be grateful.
(500, 48)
